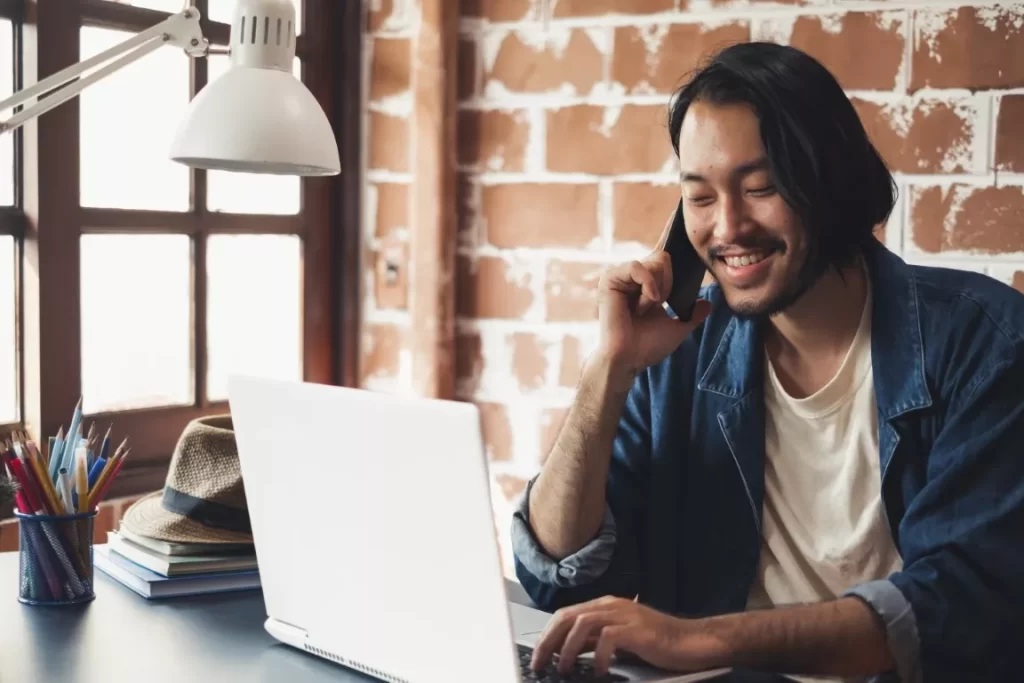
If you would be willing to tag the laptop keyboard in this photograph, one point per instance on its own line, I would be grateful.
(582, 671)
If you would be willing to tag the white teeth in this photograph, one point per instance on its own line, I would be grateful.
(745, 260)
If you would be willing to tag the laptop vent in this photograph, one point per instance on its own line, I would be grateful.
(352, 664)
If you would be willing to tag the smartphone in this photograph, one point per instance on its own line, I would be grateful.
(688, 269)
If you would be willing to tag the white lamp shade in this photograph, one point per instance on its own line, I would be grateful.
(257, 120)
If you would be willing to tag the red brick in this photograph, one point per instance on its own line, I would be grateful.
(594, 8)
(497, 432)
(608, 141)
(521, 67)
(104, 522)
(487, 289)
(677, 49)
(493, 140)
(389, 142)
(1010, 134)
(381, 346)
(641, 211)
(495, 10)
(529, 364)
(469, 68)
(539, 214)
(968, 47)
(392, 208)
(551, 422)
(391, 274)
(841, 43)
(931, 136)
(390, 67)
(571, 291)
(469, 361)
(572, 362)
(964, 217)
(1018, 281)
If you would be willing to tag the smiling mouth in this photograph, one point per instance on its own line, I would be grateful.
(745, 259)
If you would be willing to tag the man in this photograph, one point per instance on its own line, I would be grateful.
(822, 473)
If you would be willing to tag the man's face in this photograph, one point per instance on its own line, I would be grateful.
(750, 239)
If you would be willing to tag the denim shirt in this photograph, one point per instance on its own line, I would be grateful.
(682, 528)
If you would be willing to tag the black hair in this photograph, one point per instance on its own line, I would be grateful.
(819, 155)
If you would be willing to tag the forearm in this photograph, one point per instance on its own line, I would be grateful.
(567, 502)
(837, 638)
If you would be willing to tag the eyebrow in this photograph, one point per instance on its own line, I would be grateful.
(747, 168)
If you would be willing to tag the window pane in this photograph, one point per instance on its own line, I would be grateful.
(8, 333)
(128, 121)
(136, 321)
(163, 5)
(224, 11)
(251, 192)
(7, 62)
(254, 310)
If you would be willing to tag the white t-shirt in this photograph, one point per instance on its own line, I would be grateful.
(824, 527)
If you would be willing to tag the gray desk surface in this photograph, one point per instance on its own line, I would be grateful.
(120, 637)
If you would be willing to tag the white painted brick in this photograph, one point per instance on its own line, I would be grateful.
(536, 144)
(1004, 272)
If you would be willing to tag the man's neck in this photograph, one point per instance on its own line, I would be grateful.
(809, 340)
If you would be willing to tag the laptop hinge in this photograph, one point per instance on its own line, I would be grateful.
(289, 633)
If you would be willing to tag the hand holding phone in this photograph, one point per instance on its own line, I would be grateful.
(632, 334)
(688, 269)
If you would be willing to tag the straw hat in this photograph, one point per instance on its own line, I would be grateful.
(203, 500)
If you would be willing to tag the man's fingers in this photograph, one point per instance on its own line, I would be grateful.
(554, 633)
(607, 643)
(587, 625)
(644, 276)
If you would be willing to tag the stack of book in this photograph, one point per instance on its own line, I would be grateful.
(160, 569)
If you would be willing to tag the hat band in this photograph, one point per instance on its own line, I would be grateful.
(206, 512)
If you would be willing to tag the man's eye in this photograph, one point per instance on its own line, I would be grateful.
(700, 200)
(762, 191)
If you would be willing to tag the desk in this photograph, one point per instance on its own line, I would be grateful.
(122, 638)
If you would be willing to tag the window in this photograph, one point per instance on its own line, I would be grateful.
(140, 285)
(8, 337)
(7, 58)
(11, 224)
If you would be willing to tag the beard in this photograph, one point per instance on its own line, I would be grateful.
(758, 310)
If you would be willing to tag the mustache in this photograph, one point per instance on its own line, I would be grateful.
(753, 244)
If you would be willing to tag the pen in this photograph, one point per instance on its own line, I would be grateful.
(55, 453)
(74, 435)
(96, 469)
(107, 478)
(81, 479)
(64, 482)
(105, 445)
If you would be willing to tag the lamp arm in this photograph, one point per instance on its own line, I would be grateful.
(180, 30)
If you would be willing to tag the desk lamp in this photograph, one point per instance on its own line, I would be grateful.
(256, 118)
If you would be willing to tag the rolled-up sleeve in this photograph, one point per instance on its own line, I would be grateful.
(585, 565)
(610, 563)
(897, 614)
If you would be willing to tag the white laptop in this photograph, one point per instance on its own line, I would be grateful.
(375, 536)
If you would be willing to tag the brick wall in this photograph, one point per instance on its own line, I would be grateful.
(565, 167)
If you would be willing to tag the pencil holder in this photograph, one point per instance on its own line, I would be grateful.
(55, 553)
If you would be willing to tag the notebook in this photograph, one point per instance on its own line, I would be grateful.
(178, 565)
(151, 585)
